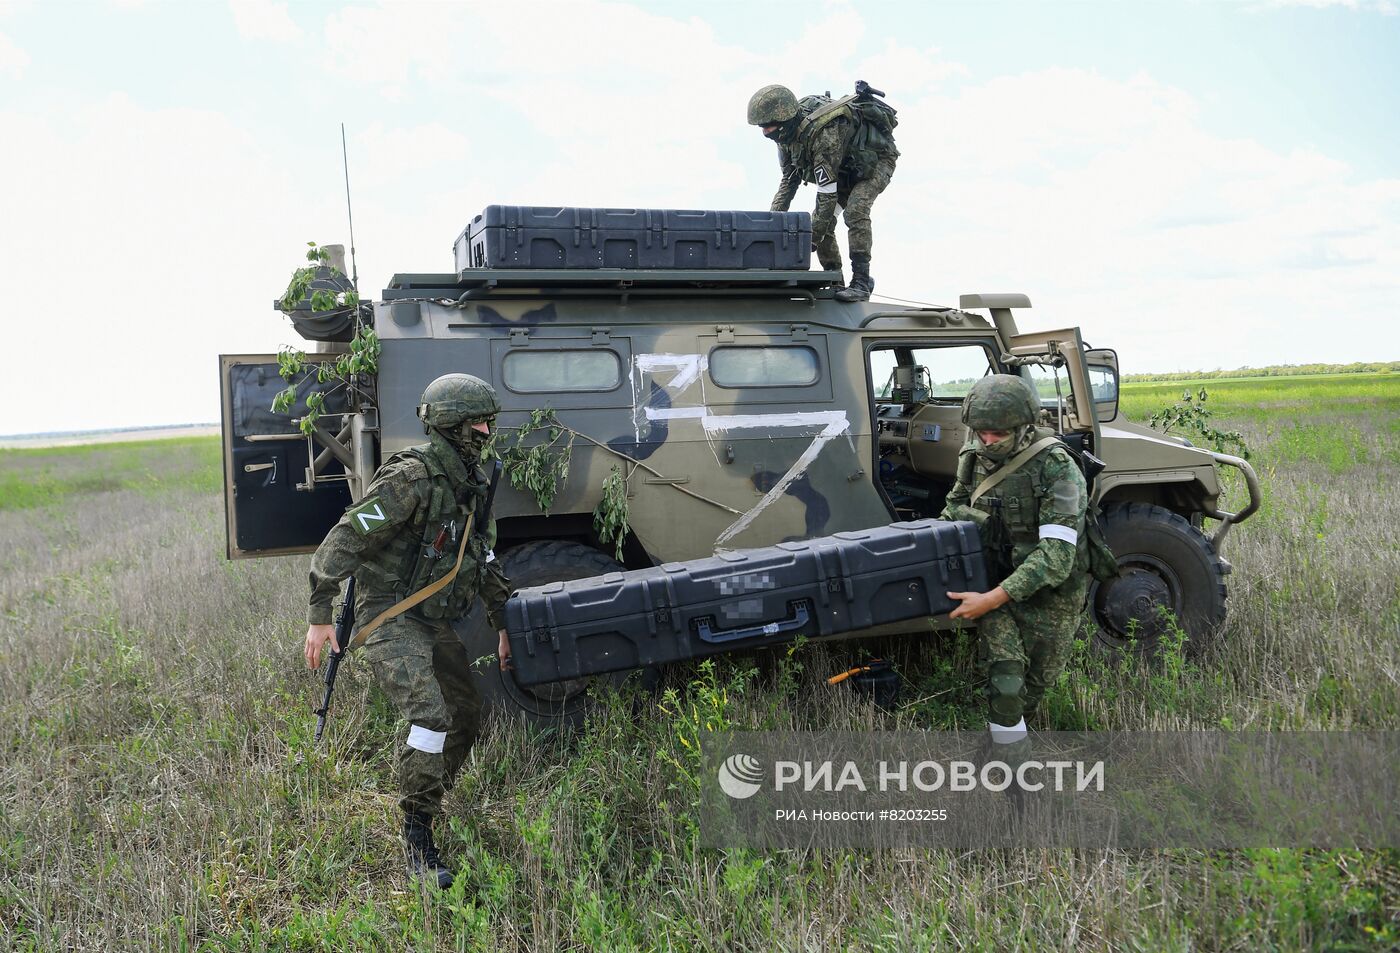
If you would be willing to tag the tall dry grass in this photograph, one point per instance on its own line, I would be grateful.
(158, 788)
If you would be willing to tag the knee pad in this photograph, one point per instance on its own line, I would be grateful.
(1006, 686)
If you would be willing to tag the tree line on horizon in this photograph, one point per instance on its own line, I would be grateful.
(1272, 370)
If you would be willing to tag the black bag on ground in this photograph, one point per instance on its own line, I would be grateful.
(522, 236)
(738, 600)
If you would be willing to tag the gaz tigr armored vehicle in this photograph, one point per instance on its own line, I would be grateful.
(746, 406)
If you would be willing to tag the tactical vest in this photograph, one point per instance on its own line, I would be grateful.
(870, 138)
(426, 550)
(1012, 527)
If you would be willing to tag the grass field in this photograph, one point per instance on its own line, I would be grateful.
(158, 789)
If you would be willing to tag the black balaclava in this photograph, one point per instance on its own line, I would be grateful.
(785, 130)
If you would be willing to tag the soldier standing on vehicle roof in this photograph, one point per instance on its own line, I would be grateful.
(401, 537)
(1025, 491)
(846, 148)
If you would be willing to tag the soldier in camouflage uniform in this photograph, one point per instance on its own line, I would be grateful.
(846, 148)
(400, 537)
(1032, 519)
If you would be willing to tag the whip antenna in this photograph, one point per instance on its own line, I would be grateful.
(349, 213)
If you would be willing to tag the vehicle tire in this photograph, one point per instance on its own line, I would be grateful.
(1163, 561)
(557, 705)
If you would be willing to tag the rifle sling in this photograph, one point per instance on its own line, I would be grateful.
(1011, 466)
(427, 592)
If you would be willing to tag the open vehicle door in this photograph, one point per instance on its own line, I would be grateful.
(269, 508)
(1060, 375)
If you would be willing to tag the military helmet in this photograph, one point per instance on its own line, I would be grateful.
(1000, 402)
(454, 398)
(772, 104)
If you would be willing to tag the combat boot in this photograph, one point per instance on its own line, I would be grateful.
(861, 283)
(422, 853)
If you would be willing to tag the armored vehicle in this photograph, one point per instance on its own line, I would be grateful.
(744, 407)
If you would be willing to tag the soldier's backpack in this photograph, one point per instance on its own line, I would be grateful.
(873, 121)
(1103, 565)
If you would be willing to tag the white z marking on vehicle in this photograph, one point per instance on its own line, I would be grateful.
(833, 424)
(687, 368)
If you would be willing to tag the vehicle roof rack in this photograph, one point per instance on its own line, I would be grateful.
(484, 282)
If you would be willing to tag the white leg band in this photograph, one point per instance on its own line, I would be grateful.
(1003, 735)
(490, 555)
(1056, 531)
(426, 740)
(826, 189)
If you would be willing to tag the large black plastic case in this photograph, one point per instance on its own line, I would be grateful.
(520, 236)
(738, 600)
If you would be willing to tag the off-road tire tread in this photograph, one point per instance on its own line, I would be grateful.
(1127, 516)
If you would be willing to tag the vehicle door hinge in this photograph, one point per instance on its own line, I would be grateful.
(601, 336)
(799, 333)
(519, 337)
(725, 332)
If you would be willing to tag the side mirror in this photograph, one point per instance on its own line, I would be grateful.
(1102, 368)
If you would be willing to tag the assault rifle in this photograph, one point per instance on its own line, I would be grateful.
(484, 518)
(343, 624)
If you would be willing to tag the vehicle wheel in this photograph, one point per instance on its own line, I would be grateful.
(559, 704)
(1163, 561)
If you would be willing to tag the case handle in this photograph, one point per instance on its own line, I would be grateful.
(800, 616)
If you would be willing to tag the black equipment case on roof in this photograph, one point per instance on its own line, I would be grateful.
(519, 236)
(738, 600)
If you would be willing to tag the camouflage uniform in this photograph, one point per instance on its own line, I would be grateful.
(416, 658)
(1033, 528)
(846, 148)
(820, 161)
(402, 536)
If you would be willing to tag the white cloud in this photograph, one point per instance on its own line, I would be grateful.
(1107, 200)
(13, 60)
(1114, 208)
(1386, 7)
(394, 42)
(264, 20)
(149, 241)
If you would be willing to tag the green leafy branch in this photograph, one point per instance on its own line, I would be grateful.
(1192, 415)
(322, 299)
(543, 469)
(610, 515)
(361, 361)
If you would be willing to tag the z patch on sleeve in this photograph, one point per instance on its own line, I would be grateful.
(369, 516)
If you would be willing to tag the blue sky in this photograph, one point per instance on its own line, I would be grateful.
(1161, 173)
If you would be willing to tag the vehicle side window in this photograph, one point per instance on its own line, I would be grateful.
(951, 371)
(778, 366)
(539, 371)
